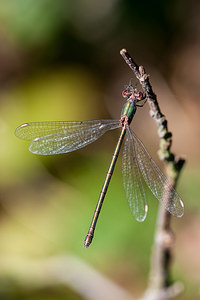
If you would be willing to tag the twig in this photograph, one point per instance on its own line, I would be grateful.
(61, 270)
(159, 280)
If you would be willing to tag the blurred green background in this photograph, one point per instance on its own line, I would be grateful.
(59, 60)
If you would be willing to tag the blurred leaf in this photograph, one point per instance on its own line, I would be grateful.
(31, 22)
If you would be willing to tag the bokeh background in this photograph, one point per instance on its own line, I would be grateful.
(59, 60)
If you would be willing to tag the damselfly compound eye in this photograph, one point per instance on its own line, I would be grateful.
(126, 93)
(139, 95)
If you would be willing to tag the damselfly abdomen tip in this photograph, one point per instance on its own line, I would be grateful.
(88, 239)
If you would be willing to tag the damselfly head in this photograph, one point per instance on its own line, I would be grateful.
(128, 91)
(132, 92)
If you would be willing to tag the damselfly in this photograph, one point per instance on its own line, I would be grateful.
(49, 138)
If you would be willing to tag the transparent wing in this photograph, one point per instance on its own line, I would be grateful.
(50, 138)
(132, 179)
(157, 181)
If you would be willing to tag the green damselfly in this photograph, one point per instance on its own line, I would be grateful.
(49, 138)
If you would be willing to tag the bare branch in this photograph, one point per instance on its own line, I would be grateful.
(159, 279)
(66, 270)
